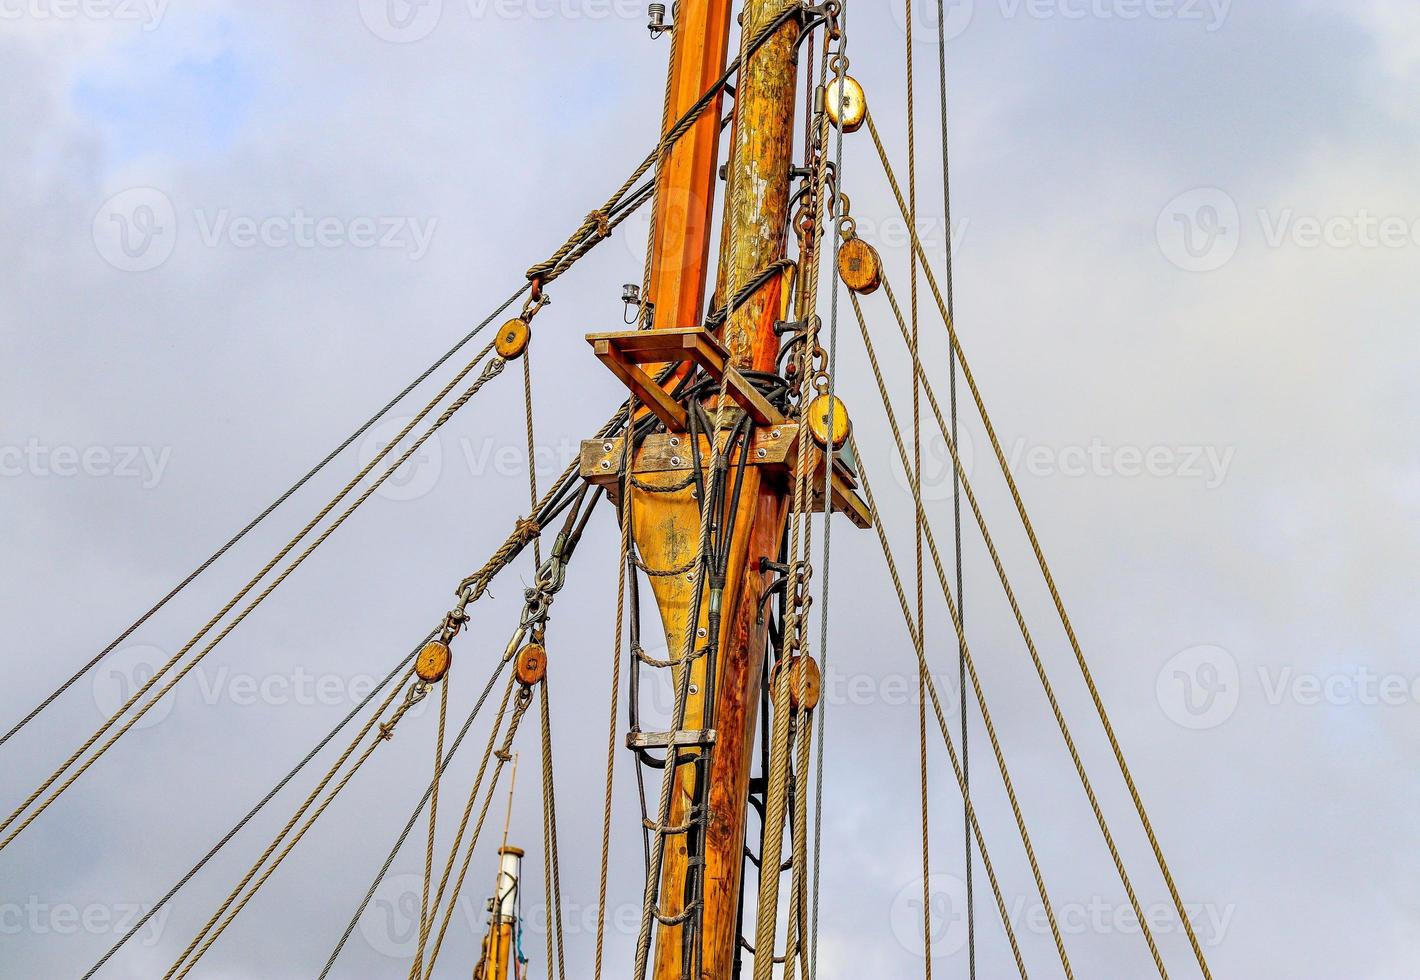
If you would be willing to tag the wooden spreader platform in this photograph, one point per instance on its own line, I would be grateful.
(775, 441)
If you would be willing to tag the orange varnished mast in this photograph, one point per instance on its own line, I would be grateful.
(666, 526)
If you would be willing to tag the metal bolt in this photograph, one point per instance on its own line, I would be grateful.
(675, 440)
(701, 632)
(773, 435)
(607, 447)
(761, 453)
(606, 464)
(675, 460)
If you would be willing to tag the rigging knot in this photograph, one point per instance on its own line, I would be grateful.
(602, 222)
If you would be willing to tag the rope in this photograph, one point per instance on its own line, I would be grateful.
(956, 480)
(424, 914)
(493, 369)
(532, 449)
(548, 270)
(261, 804)
(413, 818)
(251, 525)
(914, 470)
(959, 472)
(840, 71)
(467, 815)
(971, 667)
(211, 930)
(504, 754)
(1049, 578)
(621, 572)
(649, 906)
(794, 639)
(941, 720)
(552, 863)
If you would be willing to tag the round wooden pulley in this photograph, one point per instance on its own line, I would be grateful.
(433, 662)
(860, 267)
(805, 682)
(825, 412)
(531, 665)
(513, 339)
(846, 104)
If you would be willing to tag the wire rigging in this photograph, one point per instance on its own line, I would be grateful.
(266, 512)
(1049, 577)
(1006, 779)
(493, 369)
(949, 264)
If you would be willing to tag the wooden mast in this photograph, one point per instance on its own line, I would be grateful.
(715, 738)
(666, 530)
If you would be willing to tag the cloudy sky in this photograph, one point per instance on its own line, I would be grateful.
(1186, 237)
